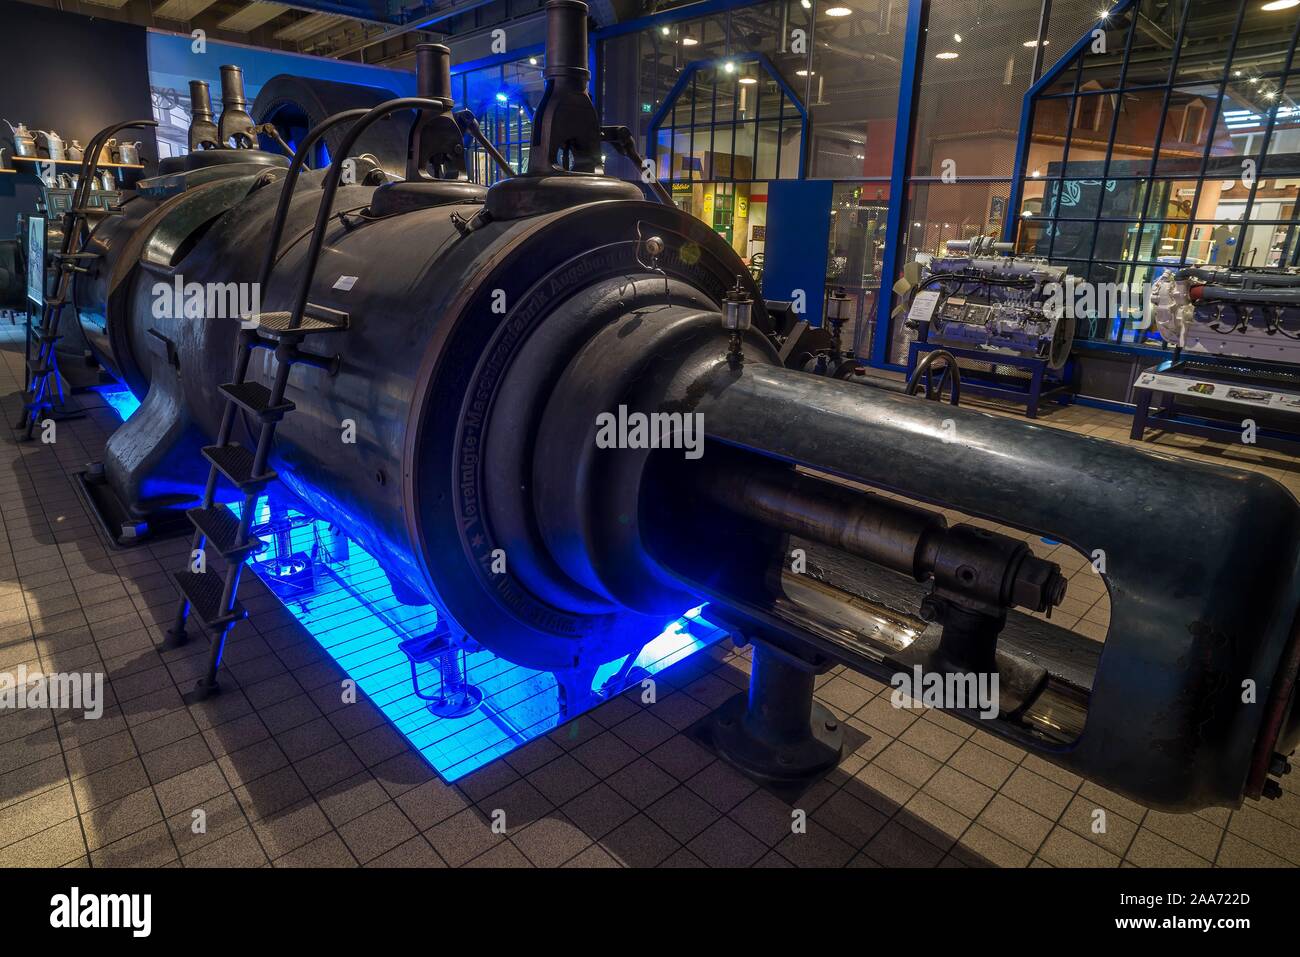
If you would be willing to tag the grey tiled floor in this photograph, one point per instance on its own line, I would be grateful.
(286, 774)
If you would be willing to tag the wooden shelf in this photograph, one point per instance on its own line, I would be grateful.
(67, 162)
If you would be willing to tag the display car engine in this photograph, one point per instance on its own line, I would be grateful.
(975, 298)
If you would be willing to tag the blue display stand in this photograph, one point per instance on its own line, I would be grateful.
(1044, 383)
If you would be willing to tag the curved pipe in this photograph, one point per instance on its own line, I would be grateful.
(291, 180)
(923, 368)
(90, 166)
(331, 185)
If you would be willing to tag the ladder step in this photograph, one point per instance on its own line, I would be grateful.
(256, 398)
(314, 319)
(203, 591)
(236, 463)
(220, 526)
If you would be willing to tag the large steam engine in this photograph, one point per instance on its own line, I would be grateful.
(561, 374)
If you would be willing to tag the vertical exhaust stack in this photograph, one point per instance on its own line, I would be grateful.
(566, 129)
(435, 149)
(235, 121)
(203, 131)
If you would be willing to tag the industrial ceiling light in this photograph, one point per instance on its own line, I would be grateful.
(838, 11)
(532, 61)
(806, 4)
(1280, 5)
(729, 67)
(1034, 43)
(956, 37)
(665, 30)
(689, 41)
(947, 55)
(748, 80)
(803, 73)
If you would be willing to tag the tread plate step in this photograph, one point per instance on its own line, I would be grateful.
(236, 463)
(315, 319)
(203, 591)
(220, 527)
(256, 398)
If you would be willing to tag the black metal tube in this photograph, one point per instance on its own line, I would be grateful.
(433, 71)
(896, 535)
(566, 40)
(985, 566)
(200, 101)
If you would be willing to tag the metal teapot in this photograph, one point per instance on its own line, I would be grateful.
(24, 141)
(108, 152)
(75, 150)
(53, 144)
(129, 153)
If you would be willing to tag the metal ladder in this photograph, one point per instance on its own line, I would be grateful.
(213, 597)
(43, 368)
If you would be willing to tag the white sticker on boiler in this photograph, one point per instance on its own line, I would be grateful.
(345, 282)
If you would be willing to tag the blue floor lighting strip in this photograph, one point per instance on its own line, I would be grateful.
(343, 598)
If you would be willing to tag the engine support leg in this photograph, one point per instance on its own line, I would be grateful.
(776, 733)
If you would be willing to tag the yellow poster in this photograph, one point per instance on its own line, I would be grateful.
(706, 213)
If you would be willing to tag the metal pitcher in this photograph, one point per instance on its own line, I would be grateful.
(24, 141)
(75, 150)
(108, 152)
(129, 153)
(53, 144)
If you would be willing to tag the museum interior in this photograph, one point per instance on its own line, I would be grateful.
(777, 433)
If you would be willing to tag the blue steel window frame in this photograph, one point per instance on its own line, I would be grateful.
(1152, 178)
(688, 75)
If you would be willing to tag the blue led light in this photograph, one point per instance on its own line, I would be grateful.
(351, 612)
(503, 96)
(120, 399)
(346, 603)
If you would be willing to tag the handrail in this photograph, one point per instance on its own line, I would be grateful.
(331, 184)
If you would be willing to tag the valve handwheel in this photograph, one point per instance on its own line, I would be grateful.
(949, 376)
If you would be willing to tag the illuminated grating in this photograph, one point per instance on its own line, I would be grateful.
(120, 399)
(346, 603)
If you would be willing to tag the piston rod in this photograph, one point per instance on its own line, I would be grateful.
(991, 568)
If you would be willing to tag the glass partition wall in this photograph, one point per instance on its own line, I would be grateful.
(1172, 136)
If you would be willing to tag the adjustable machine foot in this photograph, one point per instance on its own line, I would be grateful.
(775, 733)
(203, 689)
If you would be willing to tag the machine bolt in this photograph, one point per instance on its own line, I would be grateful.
(831, 725)
(654, 247)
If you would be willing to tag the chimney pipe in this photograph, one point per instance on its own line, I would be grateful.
(203, 132)
(435, 148)
(235, 121)
(433, 71)
(566, 129)
(566, 41)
